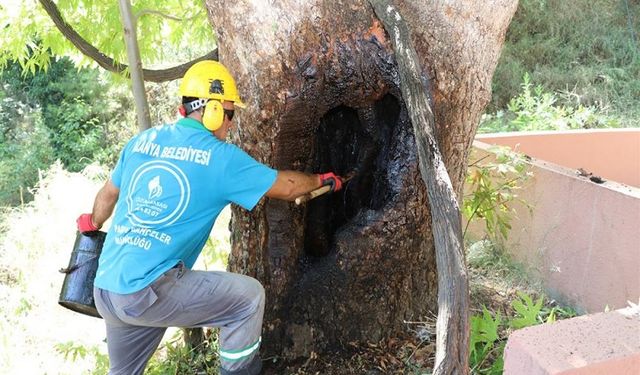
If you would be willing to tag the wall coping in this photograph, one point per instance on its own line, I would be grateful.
(555, 132)
(571, 173)
(603, 343)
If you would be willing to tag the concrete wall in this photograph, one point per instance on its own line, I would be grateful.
(613, 154)
(583, 238)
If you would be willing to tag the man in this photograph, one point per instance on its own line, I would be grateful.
(168, 187)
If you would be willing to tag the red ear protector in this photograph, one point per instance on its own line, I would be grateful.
(182, 110)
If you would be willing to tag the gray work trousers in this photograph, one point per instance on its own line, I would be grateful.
(181, 297)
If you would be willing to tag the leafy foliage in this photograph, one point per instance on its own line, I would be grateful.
(216, 252)
(173, 357)
(492, 186)
(30, 37)
(584, 51)
(77, 116)
(178, 358)
(534, 109)
(489, 331)
(491, 327)
(23, 153)
(63, 113)
(484, 334)
(72, 352)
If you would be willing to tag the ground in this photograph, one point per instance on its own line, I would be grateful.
(493, 282)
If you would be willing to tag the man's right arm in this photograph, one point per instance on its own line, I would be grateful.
(246, 180)
(289, 185)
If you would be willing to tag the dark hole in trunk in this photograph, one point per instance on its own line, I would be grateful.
(350, 141)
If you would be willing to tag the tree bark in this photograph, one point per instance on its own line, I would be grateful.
(323, 90)
(193, 338)
(452, 327)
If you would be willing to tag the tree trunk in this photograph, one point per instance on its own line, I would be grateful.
(323, 89)
(452, 328)
(193, 337)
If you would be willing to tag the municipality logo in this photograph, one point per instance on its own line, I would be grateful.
(147, 205)
(155, 189)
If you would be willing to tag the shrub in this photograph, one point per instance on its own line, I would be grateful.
(534, 109)
(65, 114)
(491, 188)
(24, 152)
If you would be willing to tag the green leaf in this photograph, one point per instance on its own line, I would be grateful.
(161, 40)
(526, 311)
(552, 316)
(484, 329)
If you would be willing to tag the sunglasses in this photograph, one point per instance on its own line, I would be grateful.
(229, 113)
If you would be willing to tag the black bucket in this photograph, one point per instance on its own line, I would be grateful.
(77, 289)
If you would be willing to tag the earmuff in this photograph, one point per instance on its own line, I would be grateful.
(213, 115)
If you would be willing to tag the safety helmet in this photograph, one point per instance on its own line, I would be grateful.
(209, 79)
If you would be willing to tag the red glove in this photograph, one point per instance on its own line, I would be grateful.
(332, 180)
(85, 224)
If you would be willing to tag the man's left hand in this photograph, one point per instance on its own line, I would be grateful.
(85, 224)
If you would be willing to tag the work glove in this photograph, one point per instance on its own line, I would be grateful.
(85, 224)
(335, 182)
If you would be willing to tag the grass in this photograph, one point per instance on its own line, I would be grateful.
(585, 51)
(495, 279)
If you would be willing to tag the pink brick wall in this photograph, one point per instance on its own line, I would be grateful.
(610, 153)
(583, 238)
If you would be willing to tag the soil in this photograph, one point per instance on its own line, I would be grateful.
(403, 355)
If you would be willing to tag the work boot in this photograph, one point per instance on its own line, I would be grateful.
(253, 368)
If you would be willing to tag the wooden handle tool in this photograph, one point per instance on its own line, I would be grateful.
(313, 194)
(320, 191)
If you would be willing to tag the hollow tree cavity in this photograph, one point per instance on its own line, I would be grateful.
(322, 88)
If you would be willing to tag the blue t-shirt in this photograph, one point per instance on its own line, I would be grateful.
(174, 180)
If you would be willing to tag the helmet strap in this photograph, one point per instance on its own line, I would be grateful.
(194, 105)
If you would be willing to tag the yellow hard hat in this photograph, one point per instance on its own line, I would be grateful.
(211, 80)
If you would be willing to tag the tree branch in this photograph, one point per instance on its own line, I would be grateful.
(144, 12)
(107, 62)
(452, 325)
